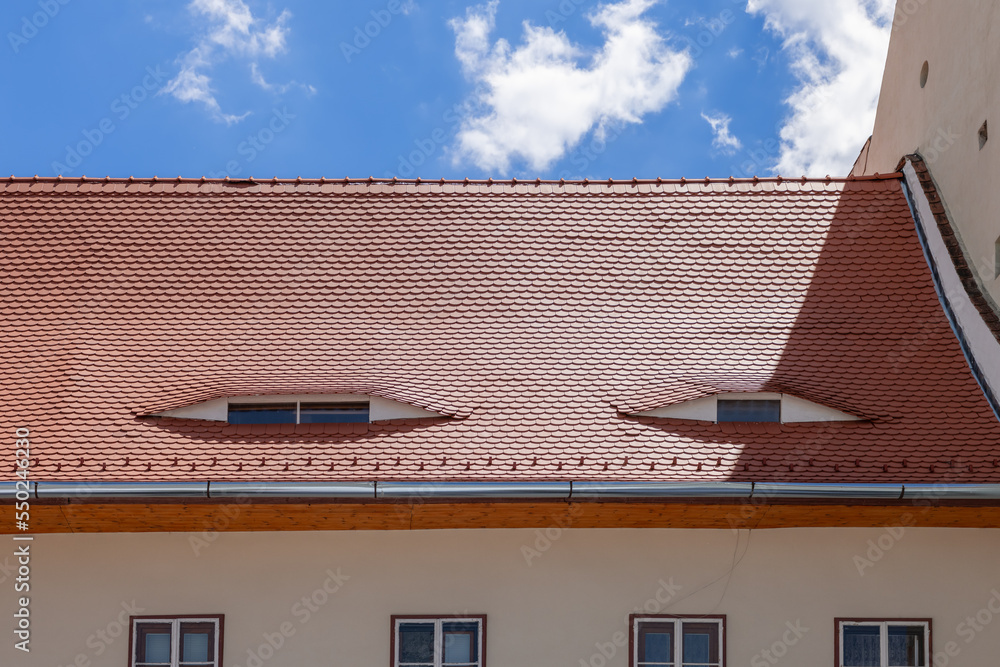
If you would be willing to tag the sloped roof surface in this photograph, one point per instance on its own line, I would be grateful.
(535, 315)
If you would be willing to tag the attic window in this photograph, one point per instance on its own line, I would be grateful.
(737, 410)
(750, 407)
(299, 412)
(263, 408)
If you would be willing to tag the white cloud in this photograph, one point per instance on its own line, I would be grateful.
(232, 30)
(190, 86)
(258, 78)
(537, 100)
(837, 50)
(722, 140)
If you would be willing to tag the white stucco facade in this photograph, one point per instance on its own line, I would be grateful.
(551, 596)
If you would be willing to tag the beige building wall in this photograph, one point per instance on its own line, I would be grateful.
(960, 42)
(552, 598)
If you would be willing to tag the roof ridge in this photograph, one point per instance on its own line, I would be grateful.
(445, 181)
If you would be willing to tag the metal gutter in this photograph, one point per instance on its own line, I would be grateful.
(809, 491)
(502, 490)
(291, 489)
(472, 490)
(8, 490)
(951, 491)
(83, 490)
(662, 489)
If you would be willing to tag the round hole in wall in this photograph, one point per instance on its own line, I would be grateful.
(923, 74)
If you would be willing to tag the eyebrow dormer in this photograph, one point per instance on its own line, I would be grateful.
(750, 407)
(300, 409)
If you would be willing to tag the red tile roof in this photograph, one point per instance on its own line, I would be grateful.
(533, 314)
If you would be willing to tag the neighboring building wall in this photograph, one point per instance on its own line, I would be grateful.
(552, 598)
(960, 41)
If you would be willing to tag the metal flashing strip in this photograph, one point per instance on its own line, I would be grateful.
(292, 489)
(952, 491)
(662, 489)
(811, 491)
(8, 490)
(472, 490)
(84, 490)
(694, 491)
(930, 238)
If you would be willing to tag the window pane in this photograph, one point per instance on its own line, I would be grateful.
(262, 413)
(157, 647)
(906, 646)
(461, 643)
(195, 647)
(333, 413)
(730, 410)
(416, 642)
(701, 643)
(657, 647)
(861, 646)
(457, 647)
(656, 643)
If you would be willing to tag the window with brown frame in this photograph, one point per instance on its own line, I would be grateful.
(883, 642)
(175, 641)
(662, 640)
(438, 641)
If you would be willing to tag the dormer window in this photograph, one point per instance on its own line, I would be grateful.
(753, 410)
(299, 412)
(300, 409)
(750, 407)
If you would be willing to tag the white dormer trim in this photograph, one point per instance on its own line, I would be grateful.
(793, 408)
(380, 409)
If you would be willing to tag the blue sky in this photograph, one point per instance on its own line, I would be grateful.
(439, 88)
